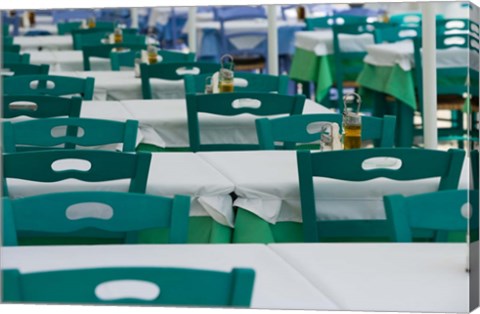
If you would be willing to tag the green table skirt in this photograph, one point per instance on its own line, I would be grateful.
(249, 228)
(201, 230)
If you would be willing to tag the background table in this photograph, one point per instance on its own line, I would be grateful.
(268, 194)
(170, 174)
(416, 277)
(164, 123)
(277, 284)
(67, 60)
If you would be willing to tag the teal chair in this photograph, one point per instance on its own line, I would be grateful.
(347, 165)
(39, 134)
(474, 160)
(127, 59)
(104, 51)
(176, 286)
(451, 87)
(294, 130)
(104, 166)
(71, 27)
(224, 104)
(448, 26)
(49, 85)
(411, 18)
(40, 106)
(96, 38)
(12, 57)
(7, 40)
(248, 82)
(11, 48)
(348, 64)
(396, 33)
(438, 211)
(172, 71)
(128, 213)
(27, 69)
(326, 22)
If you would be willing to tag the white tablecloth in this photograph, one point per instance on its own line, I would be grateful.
(321, 41)
(401, 54)
(164, 123)
(277, 285)
(266, 183)
(67, 60)
(50, 42)
(416, 277)
(170, 174)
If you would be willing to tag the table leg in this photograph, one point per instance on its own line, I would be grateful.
(405, 127)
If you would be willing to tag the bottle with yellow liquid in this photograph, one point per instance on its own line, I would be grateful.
(352, 124)
(91, 22)
(117, 35)
(152, 54)
(226, 75)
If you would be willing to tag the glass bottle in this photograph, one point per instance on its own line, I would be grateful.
(152, 54)
(352, 124)
(118, 35)
(225, 77)
(91, 22)
(301, 13)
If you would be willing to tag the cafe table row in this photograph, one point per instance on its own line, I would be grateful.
(418, 277)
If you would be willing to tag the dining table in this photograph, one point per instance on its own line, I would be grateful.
(268, 194)
(277, 285)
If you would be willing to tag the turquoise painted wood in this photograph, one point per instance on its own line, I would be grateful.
(70, 27)
(37, 134)
(62, 85)
(104, 50)
(43, 106)
(26, 69)
(451, 86)
(475, 168)
(12, 57)
(178, 286)
(83, 38)
(11, 48)
(396, 33)
(326, 22)
(353, 59)
(347, 165)
(128, 213)
(104, 166)
(438, 211)
(171, 71)
(195, 84)
(223, 104)
(294, 129)
(7, 40)
(127, 59)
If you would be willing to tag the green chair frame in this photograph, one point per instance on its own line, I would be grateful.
(36, 134)
(170, 71)
(105, 50)
(40, 106)
(347, 165)
(7, 40)
(222, 104)
(130, 214)
(93, 38)
(431, 211)
(12, 57)
(195, 84)
(27, 69)
(293, 130)
(326, 22)
(105, 165)
(63, 85)
(396, 33)
(71, 27)
(179, 286)
(11, 48)
(127, 59)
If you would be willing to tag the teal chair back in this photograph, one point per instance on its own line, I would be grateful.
(176, 286)
(7, 40)
(104, 166)
(396, 33)
(225, 104)
(67, 27)
(127, 59)
(40, 106)
(326, 22)
(295, 129)
(348, 64)
(244, 82)
(104, 51)
(12, 57)
(72, 27)
(172, 71)
(438, 211)
(449, 26)
(40, 134)
(49, 85)
(128, 213)
(347, 165)
(11, 48)
(27, 69)
(95, 38)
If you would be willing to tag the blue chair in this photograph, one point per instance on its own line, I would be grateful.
(13, 21)
(127, 213)
(172, 32)
(436, 211)
(41, 134)
(365, 12)
(35, 106)
(229, 104)
(175, 286)
(104, 166)
(72, 15)
(347, 165)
